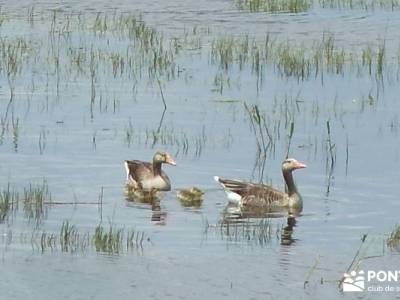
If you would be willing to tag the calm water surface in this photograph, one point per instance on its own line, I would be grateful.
(190, 253)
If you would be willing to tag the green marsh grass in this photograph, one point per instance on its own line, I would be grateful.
(301, 61)
(111, 240)
(36, 200)
(292, 6)
(393, 241)
(71, 240)
(8, 202)
(264, 139)
(360, 4)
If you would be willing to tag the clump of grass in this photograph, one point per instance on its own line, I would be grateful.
(292, 6)
(8, 202)
(134, 239)
(109, 241)
(12, 53)
(393, 241)
(48, 240)
(360, 4)
(36, 198)
(70, 238)
(290, 59)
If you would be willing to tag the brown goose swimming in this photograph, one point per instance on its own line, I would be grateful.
(260, 195)
(148, 176)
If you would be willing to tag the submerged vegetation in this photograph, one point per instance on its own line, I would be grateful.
(360, 4)
(300, 61)
(36, 201)
(292, 6)
(115, 240)
(393, 241)
(70, 239)
(8, 202)
(297, 6)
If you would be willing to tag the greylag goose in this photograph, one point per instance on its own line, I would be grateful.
(148, 176)
(260, 195)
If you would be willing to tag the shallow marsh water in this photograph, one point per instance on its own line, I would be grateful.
(77, 112)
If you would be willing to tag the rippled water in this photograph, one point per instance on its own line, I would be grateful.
(191, 252)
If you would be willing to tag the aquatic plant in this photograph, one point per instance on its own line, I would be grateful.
(360, 4)
(70, 239)
(292, 6)
(264, 139)
(301, 61)
(8, 202)
(111, 240)
(393, 241)
(36, 200)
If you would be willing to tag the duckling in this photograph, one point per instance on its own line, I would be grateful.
(140, 195)
(190, 197)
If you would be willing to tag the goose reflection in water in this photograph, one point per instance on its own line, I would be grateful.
(287, 232)
(245, 224)
(146, 199)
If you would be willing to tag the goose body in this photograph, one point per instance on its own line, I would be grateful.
(261, 195)
(148, 176)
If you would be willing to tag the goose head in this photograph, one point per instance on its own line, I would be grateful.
(163, 157)
(291, 164)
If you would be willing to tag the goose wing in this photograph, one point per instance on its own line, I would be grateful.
(137, 171)
(235, 186)
(261, 195)
(254, 194)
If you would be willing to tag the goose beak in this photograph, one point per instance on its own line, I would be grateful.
(170, 160)
(300, 165)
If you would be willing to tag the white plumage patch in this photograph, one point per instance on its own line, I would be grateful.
(127, 170)
(232, 197)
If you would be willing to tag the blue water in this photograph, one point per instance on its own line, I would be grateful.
(187, 253)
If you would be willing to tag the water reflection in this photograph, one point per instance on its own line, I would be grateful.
(152, 198)
(287, 232)
(248, 212)
(256, 225)
(141, 196)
